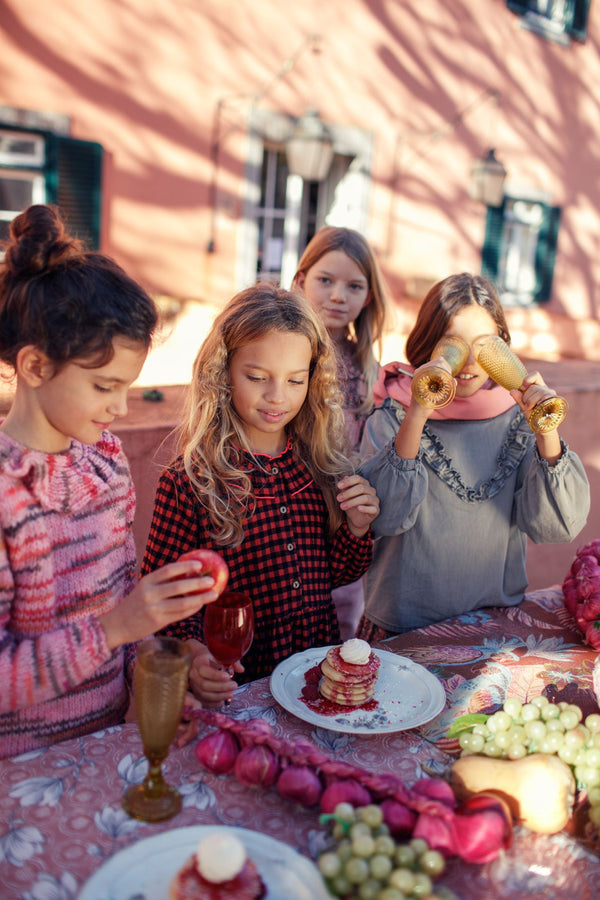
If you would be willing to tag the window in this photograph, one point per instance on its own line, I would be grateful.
(19, 187)
(38, 166)
(556, 20)
(271, 214)
(282, 212)
(520, 248)
(287, 216)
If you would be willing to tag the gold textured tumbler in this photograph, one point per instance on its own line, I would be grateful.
(159, 684)
(435, 387)
(505, 368)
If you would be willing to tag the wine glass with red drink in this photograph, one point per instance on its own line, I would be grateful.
(229, 627)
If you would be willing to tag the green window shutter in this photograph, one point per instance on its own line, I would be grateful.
(578, 29)
(74, 183)
(517, 7)
(545, 253)
(490, 254)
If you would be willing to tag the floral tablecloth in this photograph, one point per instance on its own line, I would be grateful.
(60, 808)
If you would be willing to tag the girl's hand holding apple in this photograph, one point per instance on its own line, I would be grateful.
(168, 594)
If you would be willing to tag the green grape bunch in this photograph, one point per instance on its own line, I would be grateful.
(538, 726)
(364, 862)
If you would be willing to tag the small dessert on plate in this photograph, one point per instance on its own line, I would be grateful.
(349, 673)
(218, 870)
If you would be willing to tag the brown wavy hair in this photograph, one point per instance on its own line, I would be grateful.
(65, 300)
(212, 431)
(442, 302)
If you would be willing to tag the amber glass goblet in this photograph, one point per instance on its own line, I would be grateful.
(159, 684)
(435, 387)
(505, 368)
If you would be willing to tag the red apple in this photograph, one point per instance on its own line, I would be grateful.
(213, 564)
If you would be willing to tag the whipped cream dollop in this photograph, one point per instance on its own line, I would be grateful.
(220, 857)
(355, 651)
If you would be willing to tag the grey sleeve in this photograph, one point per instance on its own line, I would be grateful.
(401, 484)
(554, 501)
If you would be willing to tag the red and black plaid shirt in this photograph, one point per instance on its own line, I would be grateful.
(287, 562)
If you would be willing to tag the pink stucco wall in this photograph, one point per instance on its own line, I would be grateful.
(143, 78)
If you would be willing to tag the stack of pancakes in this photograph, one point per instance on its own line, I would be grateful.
(348, 684)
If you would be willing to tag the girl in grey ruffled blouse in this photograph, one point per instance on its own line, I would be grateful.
(462, 487)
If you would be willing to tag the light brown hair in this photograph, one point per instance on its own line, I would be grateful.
(442, 302)
(368, 327)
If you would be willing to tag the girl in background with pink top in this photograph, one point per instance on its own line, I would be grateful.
(339, 275)
(75, 330)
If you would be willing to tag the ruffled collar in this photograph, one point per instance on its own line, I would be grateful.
(513, 449)
(266, 456)
(67, 481)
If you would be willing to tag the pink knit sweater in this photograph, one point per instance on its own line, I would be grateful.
(66, 556)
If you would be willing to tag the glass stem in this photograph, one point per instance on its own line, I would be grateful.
(154, 783)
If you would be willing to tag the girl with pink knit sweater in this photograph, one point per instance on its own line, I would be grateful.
(75, 330)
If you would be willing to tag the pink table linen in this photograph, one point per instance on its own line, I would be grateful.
(60, 808)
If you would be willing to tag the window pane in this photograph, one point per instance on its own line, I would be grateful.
(516, 267)
(18, 148)
(552, 9)
(271, 214)
(281, 180)
(18, 190)
(15, 193)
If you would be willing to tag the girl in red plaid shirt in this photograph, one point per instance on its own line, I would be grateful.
(263, 478)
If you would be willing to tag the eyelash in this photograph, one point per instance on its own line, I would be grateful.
(355, 287)
(256, 379)
(102, 390)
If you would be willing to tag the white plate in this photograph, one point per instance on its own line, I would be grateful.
(144, 870)
(407, 694)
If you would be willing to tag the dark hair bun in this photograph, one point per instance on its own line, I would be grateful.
(39, 243)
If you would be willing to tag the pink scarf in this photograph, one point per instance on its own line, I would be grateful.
(487, 403)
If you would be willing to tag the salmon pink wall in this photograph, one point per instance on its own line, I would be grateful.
(143, 78)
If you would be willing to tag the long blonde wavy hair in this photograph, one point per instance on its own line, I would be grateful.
(212, 431)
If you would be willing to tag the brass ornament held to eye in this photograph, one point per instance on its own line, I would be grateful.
(505, 368)
(435, 387)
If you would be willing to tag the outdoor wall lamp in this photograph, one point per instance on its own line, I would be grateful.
(309, 148)
(486, 182)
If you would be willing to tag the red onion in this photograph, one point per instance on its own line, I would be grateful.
(300, 784)
(257, 765)
(398, 818)
(348, 790)
(581, 590)
(217, 752)
(436, 789)
(477, 832)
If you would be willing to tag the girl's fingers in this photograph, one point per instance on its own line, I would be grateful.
(176, 571)
(184, 587)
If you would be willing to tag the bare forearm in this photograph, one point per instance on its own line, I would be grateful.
(408, 438)
(549, 446)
